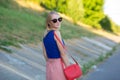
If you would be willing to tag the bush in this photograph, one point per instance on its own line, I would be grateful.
(109, 25)
(106, 24)
(72, 8)
(93, 12)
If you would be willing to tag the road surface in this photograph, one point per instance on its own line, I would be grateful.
(108, 70)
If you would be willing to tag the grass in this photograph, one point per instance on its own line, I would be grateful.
(23, 25)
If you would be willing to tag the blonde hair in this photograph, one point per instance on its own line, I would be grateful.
(49, 17)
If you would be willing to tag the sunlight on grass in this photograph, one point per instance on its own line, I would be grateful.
(106, 34)
(29, 4)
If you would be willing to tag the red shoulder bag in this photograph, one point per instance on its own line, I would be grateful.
(73, 71)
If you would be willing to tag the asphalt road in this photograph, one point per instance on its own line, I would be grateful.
(108, 70)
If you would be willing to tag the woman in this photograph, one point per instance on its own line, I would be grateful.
(52, 49)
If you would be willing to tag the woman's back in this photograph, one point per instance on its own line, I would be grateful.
(51, 45)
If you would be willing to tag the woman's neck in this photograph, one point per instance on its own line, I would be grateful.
(52, 29)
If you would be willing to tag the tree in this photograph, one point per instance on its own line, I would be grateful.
(72, 8)
(93, 12)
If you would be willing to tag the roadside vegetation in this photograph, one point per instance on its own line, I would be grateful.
(25, 25)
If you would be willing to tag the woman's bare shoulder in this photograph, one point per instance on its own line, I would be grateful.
(57, 32)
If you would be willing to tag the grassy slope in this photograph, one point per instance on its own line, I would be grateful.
(18, 24)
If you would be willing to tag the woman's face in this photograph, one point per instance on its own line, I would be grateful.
(55, 21)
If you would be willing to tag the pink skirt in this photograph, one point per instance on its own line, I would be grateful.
(54, 70)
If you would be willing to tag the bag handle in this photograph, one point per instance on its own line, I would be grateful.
(63, 46)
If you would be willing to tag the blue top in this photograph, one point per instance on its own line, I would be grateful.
(50, 44)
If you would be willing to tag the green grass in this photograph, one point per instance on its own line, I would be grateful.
(23, 25)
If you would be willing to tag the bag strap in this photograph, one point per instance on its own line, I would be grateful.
(63, 46)
(59, 40)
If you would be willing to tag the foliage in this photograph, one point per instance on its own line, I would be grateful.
(34, 1)
(75, 9)
(49, 4)
(106, 22)
(93, 12)
(108, 25)
(25, 25)
(22, 25)
(87, 11)
(115, 28)
(72, 8)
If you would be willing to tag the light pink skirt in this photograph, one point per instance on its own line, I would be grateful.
(54, 70)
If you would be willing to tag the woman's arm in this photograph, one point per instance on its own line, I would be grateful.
(61, 49)
(44, 52)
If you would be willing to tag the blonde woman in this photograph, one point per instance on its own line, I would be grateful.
(52, 49)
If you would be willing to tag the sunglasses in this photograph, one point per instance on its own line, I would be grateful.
(55, 20)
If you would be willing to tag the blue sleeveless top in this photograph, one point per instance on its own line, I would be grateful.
(50, 44)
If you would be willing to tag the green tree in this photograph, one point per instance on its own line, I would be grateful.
(75, 9)
(93, 12)
(49, 4)
(72, 8)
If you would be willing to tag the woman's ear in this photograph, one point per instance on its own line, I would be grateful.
(49, 25)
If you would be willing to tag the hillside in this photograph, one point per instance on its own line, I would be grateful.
(26, 25)
(24, 22)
